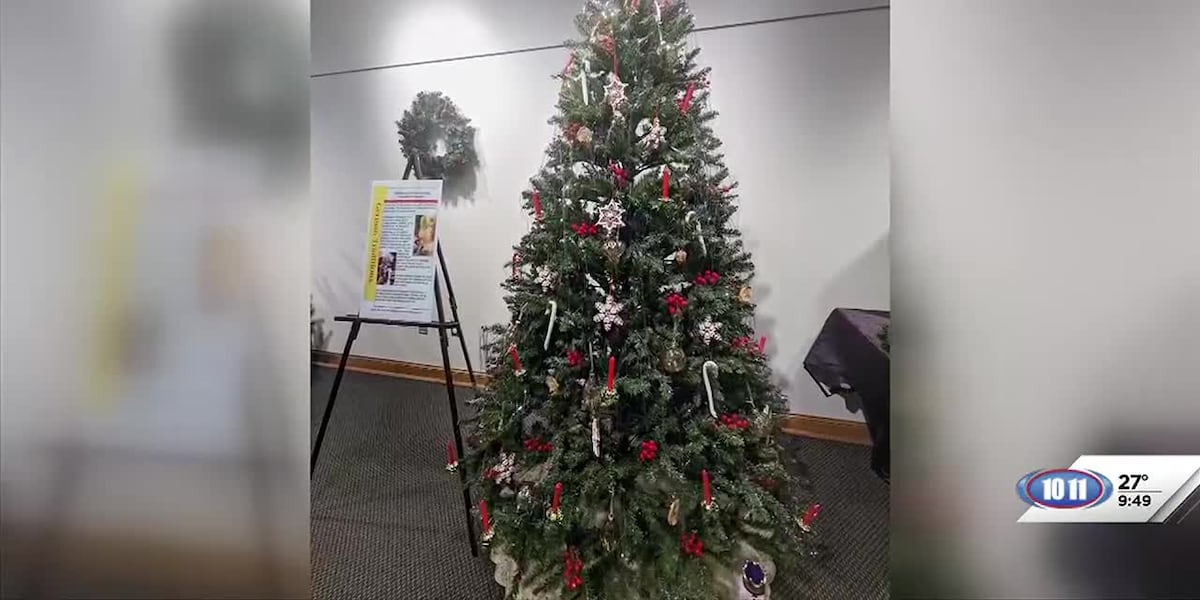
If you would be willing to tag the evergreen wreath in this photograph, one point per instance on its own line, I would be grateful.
(433, 117)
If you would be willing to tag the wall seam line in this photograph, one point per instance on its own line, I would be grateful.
(556, 46)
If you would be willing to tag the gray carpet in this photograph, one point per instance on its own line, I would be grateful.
(388, 523)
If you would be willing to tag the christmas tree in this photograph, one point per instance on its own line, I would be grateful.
(626, 446)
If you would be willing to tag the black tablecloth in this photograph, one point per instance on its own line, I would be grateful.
(848, 356)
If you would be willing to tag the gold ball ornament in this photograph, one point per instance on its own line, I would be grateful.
(673, 513)
(745, 295)
(680, 257)
(673, 359)
(584, 136)
(613, 250)
(552, 385)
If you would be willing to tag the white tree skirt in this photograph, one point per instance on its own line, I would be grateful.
(728, 578)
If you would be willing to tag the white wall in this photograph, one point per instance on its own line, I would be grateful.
(1046, 197)
(803, 115)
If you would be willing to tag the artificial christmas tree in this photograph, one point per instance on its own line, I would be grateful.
(625, 448)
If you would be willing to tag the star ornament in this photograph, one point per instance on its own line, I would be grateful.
(653, 134)
(612, 217)
(614, 91)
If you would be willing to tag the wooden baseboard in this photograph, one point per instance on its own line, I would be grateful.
(396, 368)
(824, 428)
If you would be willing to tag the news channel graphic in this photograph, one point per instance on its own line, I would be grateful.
(1114, 489)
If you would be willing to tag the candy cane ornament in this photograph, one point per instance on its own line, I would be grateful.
(553, 310)
(712, 409)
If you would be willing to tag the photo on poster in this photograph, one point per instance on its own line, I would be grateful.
(385, 270)
(424, 234)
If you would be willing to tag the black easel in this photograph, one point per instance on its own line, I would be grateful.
(442, 326)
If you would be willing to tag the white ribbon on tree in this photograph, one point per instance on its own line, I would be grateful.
(553, 310)
(658, 20)
(584, 73)
(595, 284)
(712, 409)
(699, 233)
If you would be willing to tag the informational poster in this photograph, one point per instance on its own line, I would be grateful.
(401, 255)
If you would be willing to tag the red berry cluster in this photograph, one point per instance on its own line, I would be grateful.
(675, 304)
(490, 473)
(574, 358)
(734, 421)
(585, 229)
(572, 569)
(708, 278)
(536, 444)
(692, 544)
(649, 450)
(744, 342)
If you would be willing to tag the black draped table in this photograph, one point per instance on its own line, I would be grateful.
(850, 355)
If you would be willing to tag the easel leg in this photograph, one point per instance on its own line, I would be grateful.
(68, 470)
(454, 312)
(445, 343)
(337, 382)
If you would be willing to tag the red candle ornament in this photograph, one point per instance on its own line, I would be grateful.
(557, 497)
(484, 519)
(516, 360)
(666, 184)
(572, 569)
(570, 62)
(612, 371)
(451, 455)
(707, 487)
(762, 345)
(810, 515)
(537, 205)
(686, 103)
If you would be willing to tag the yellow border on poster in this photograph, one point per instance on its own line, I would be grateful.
(378, 195)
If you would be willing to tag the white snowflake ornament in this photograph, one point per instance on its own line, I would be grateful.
(612, 217)
(545, 278)
(653, 134)
(503, 472)
(709, 331)
(609, 313)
